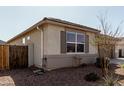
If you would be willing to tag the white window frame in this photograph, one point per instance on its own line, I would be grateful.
(76, 42)
(24, 40)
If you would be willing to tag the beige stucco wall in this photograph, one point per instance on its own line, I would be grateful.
(16, 42)
(52, 47)
(52, 41)
(119, 45)
(36, 42)
(67, 60)
(92, 48)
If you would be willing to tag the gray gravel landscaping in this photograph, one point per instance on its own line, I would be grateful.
(64, 76)
(58, 77)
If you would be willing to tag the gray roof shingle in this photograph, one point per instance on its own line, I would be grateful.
(2, 42)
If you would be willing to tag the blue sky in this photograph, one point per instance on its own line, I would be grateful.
(14, 20)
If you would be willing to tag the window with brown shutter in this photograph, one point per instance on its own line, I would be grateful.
(73, 42)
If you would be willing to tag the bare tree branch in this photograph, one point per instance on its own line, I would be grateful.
(107, 39)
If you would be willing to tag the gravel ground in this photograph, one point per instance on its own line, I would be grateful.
(59, 77)
(119, 72)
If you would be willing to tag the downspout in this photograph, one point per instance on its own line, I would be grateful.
(44, 59)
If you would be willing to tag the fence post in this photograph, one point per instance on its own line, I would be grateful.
(2, 57)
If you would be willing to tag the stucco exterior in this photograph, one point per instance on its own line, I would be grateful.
(67, 60)
(45, 42)
(52, 43)
(119, 46)
(92, 48)
(52, 48)
(35, 41)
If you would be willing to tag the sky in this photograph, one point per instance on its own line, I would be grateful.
(16, 19)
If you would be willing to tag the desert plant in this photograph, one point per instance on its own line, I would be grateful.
(99, 65)
(106, 41)
(110, 79)
(122, 66)
(91, 77)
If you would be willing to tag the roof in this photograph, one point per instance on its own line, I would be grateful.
(70, 23)
(2, 42)
(47, 20)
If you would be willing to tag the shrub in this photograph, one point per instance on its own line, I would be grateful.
(110, 80)
(83, 65)
(122, 66)
(91, 77)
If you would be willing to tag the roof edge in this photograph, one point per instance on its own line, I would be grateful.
(51, 19)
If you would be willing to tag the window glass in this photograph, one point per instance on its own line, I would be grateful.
(80, 38)
(75, 42)
(28, 38)
(71, 36)
(23, 40)
(70, 47)
(80, 47)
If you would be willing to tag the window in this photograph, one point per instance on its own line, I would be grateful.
(28, 38)
(71, 37)
(80, 47)
(80, 38)
(23, 40)
(75, 42)
(70, 47)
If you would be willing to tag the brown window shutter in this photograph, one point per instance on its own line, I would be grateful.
(63, 41)
(86, 43)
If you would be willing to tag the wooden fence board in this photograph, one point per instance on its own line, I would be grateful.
(12, 56)
(4, 57)
(1, 57)
(18, 56)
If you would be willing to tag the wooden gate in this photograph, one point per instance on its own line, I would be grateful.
(4, 57)
(12, 57)
(18, 56)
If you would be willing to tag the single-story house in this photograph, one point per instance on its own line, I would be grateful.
(55, 43)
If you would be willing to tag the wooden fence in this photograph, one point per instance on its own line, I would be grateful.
(4, 57)
(12, 56)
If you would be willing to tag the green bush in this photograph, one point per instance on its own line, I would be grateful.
(91, 77)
